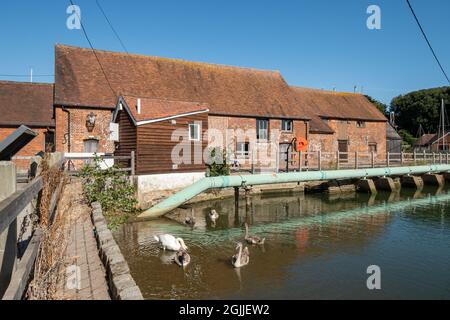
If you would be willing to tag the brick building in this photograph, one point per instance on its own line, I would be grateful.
(27, 104)
(348, 122)
(249, 111)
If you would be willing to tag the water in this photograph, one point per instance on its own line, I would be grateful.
(317, 247)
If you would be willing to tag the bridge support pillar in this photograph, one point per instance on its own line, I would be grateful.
(434, 179)
(387, 184)
(366, 185)
(412, 182)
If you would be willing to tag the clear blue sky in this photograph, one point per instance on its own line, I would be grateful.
(313, 43)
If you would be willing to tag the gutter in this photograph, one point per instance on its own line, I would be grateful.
(205, 184)
(68, 133)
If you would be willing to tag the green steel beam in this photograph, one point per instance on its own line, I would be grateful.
(177, 199)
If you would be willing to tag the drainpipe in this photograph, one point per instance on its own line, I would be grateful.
(68, 127)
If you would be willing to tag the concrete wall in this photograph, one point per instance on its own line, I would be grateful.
(8, 239)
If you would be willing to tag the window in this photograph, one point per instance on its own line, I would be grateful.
(360, 124)
(194, 132)
(90, 145)
(286, 125)
(262, 129)
(242, 150)
(372, 147)
(49, 141)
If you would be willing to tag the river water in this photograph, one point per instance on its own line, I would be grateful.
(317, 247)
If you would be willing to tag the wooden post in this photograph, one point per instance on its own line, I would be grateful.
(319, 160)
(356, 159)
(372, 159)
(253, 162)
(415, 157)
(338, 166)
(434, 158)
(446, 158)
(133, 163)
(236, 200)
(388, 156)
(440, 157)
(300, 160)
(401, 158)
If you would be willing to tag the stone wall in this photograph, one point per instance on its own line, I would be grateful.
(120, 282)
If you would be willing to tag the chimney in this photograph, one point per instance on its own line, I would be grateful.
(138, 106)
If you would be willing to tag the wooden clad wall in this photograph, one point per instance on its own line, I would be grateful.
(155, 145)
(127, 137)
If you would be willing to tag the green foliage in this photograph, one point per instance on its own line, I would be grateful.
(420, 108)
(217, 163)
(112, 189)
(407, 138)
(380, 105)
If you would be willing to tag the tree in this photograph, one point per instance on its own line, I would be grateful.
(420, 108)
(380, 105)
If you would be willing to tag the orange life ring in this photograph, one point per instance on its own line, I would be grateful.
(301, 144)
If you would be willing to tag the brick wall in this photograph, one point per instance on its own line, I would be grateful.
(31, 149)
(359, 138)
(79, 132)
(248, 126)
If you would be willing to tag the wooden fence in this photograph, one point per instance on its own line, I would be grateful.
(10, 209)
(74, 163)
(307, 161)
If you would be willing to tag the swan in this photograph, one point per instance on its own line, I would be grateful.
(190, 221)
(182, 258)
(169, 242)
(252, 239)
(213, 215)
(241, 258)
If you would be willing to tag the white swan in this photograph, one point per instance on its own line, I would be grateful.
(169, 242)
(241, 258)
(213, 215)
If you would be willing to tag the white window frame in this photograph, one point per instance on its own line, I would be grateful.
(241, 153)
(198, 130)
(283, 121)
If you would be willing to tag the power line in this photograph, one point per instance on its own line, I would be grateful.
(138, 69)
(95, 53)
(26, 75)
(428, 42)
(111, 26)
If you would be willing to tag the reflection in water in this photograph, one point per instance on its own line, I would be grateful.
(317, 246)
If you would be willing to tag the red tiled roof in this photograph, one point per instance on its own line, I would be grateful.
(339, 105)
(226, 90)
(152, 109)
(425, 139)
(26, 103)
